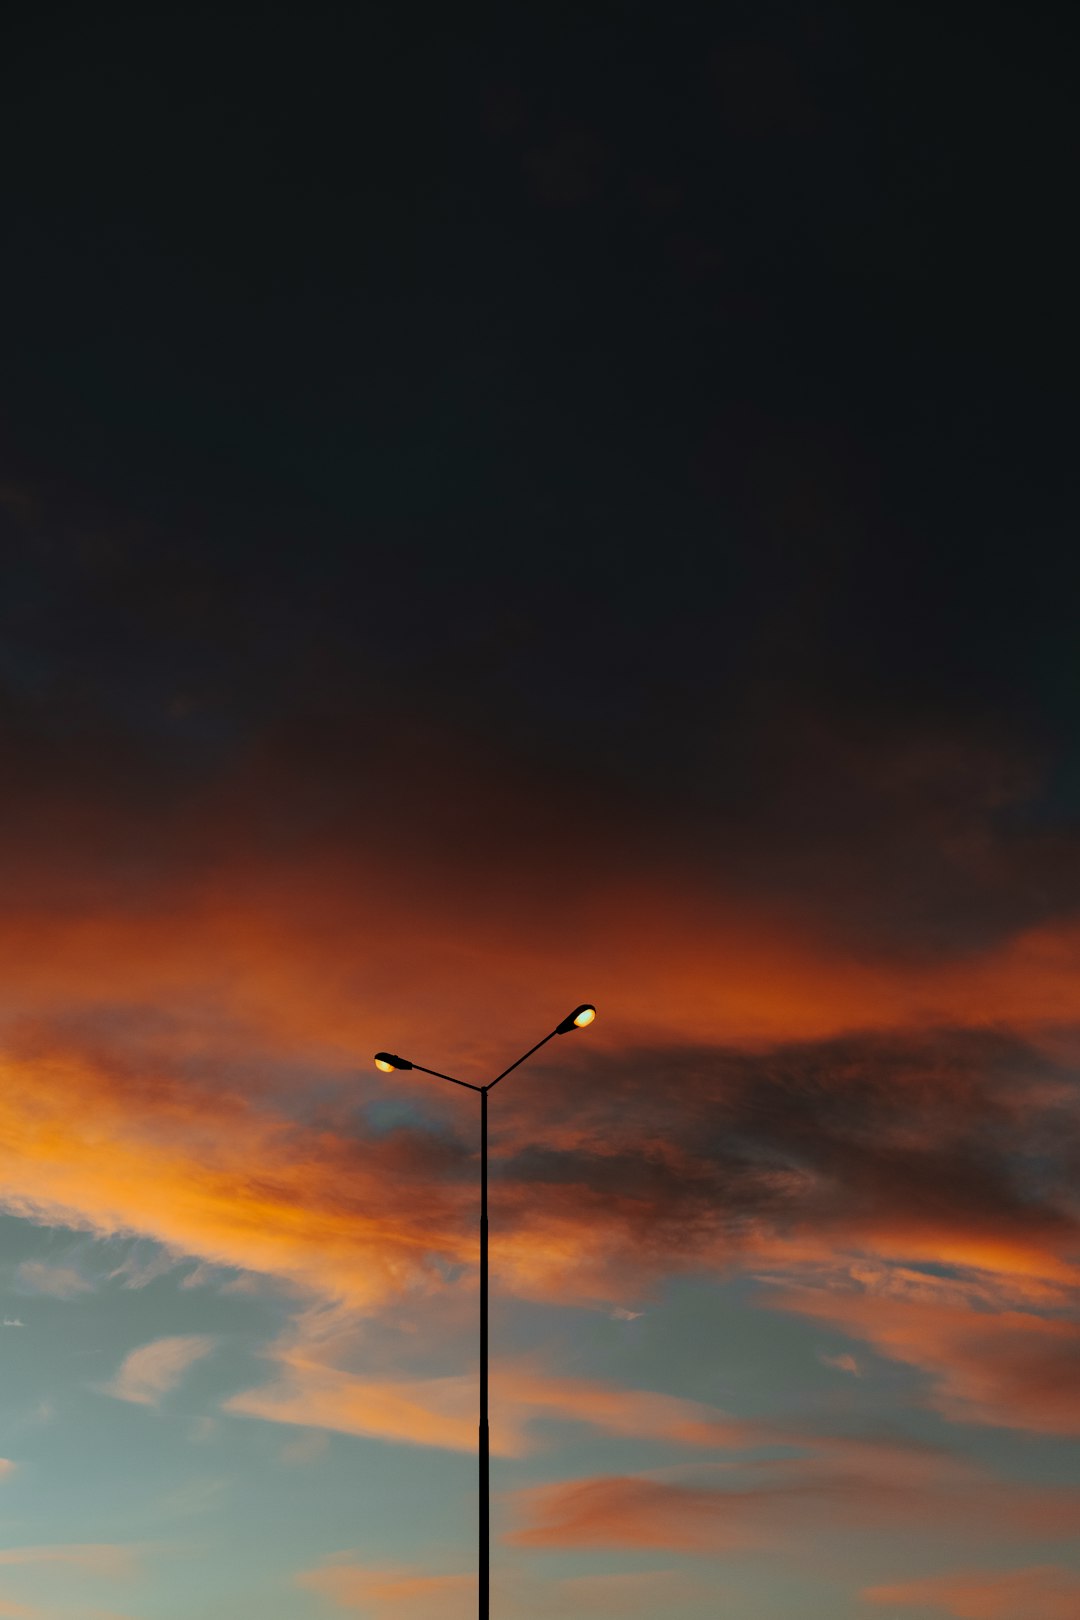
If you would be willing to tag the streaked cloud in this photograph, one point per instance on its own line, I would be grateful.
(307, 1448)
(1043, 1592)
(842, 1363)
(393, 1594)
(138, 1269)
(631, 1512)
(778, 1156)
(1010, 1368)
(62, 1282)
(216, 1176)
(412, 1594)
(829, 1485)
(442, 1411)
(20, 1611)
(98, 1560)
(95, 1558)
(152, 1370)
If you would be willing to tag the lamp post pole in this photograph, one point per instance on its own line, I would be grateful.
(484, 1553)
(388, 1062)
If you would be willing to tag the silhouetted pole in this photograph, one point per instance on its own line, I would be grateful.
(484, 1556)
(387, 1062)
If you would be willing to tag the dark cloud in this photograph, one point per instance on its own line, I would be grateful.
(951, 1143)
(630, 410)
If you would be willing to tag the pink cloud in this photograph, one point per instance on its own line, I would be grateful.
(1042, 1593)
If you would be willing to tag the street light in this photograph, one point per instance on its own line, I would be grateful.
(387, 1062)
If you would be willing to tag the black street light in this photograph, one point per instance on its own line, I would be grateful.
(388, 1062)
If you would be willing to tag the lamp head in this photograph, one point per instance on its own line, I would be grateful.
(577, 1019)
(387, 1062)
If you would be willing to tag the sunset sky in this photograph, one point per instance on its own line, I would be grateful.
(505, 508)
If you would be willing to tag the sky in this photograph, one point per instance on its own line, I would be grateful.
(503, 508)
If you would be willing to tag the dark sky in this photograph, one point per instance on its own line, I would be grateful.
(662, 422)
(502, 508)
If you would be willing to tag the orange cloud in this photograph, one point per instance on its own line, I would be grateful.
(1009, 1368)
(336, 948)
(442, 1411)
(212, 1175)
(897, 1148)
(140, 1094)
(630, 1512)
(393, 1594)
(1047, 1592)
(404, 1594)
(830, 1485)
(425, 1412)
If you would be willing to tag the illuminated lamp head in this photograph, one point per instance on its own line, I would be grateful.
(577, 1019)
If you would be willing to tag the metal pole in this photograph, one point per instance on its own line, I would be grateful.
(387, 1061)
(485, 1477)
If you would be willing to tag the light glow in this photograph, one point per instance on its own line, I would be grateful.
(585, 1016)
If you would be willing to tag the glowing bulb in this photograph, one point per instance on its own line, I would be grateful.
(387, 1068)
(577, 1019)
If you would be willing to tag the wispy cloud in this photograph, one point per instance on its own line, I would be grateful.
(62, 1282)
(143, 1264)
(1009, 1368)
(631, 1512)
(413, 1594)
(307, 1448)
(152, 1370)
(904, 1146)
(843, 1363)
(218, 1177)
(393, 1594)
(96, 1558)
(832, 1485)
(20, 1611)
(1045, 1592)
(442, 1411)
(103, 1560)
